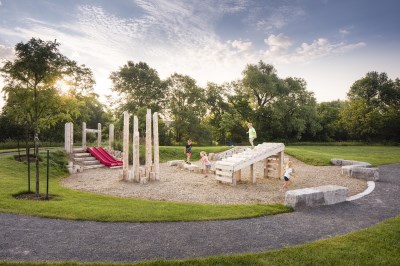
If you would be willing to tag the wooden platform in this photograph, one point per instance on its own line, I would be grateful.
(229, 169)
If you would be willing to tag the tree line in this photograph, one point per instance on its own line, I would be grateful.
(44, 89)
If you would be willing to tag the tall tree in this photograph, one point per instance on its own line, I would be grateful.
(187, 108)
(217, 105)
(373, 108)
(30, 87)
(139, 86)
(329, 117)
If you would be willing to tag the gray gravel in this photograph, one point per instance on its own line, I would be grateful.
(36, 239)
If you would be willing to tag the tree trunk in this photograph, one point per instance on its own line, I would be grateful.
(37, 163)
(28, 156)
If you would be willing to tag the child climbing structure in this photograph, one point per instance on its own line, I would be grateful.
(229, 169)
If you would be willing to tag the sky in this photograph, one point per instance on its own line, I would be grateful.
(328, 43)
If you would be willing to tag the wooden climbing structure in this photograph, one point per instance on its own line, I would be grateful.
(229, 169)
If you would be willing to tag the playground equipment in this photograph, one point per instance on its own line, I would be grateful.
(229, 168)
(103, 156)
(151, 171)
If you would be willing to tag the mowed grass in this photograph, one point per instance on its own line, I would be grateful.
(377, 245)
(321, 155)
(70, 204)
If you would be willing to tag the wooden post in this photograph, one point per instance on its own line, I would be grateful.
(135, 145)
(252, 176)
(111, 137)
(266, 168)
(280, 165)
(99, 134)
(125, 167)
(71, 137)
(156, 147)
(148, 143)
(67, 138)
(84, 135)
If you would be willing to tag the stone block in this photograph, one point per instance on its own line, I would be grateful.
(190, 167)
(350, 162)
(347, 169)
(306, 197)
(369, 174)
(174, 163)
(333, 194)
(342, 162)
(315, 196)
(336, 161)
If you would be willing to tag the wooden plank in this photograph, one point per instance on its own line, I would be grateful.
(223, 179)
(223, 173)
(225, 167)
(252, 176)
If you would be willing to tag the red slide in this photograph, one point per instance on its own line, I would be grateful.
(108, 156)
(103, 159)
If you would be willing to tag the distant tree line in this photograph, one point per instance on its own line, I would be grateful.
(280, 109)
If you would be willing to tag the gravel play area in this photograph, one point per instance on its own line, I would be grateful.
(179, 185)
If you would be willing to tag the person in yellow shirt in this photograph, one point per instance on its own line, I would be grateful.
(252, 133)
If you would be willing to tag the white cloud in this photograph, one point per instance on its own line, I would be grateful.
(268, 19)
(241, 45)
(172, 36)
(277, 45)
(6, 53)
(322, 47)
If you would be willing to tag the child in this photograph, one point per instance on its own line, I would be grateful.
(252, 133)
(205, 161)
(188, 151)
(289, 173)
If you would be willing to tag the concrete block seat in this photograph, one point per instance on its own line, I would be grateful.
(355, 169)
(315, 196)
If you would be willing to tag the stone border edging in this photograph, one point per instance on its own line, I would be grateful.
(369, 189)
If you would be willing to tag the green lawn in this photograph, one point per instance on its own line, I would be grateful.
(321, 155)
(378, 245)
(70, 204)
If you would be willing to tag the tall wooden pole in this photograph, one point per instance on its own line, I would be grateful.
(84, 135)
(136, 163)
(125, 167)
(111, 137)
(156, 147)
(148, 144)
(99, 134)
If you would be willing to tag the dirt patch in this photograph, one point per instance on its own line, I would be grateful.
(182, 186)
(32, 196)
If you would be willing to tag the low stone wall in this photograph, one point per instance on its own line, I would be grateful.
(315, 196)
(342, 162)
(355, 169)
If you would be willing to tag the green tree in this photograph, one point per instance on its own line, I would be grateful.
(293, 115)
(217, 105)
(30, 87)
(329, 117)
(139, 86)
(187, 109)
(373, 108)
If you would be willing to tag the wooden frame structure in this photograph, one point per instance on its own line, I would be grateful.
(229, 169)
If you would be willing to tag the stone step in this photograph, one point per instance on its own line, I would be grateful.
(91, 162)
(81, 159)
(76, 150)
(82, 154)
(86, 167)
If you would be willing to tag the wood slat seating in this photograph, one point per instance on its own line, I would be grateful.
(229, 169)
